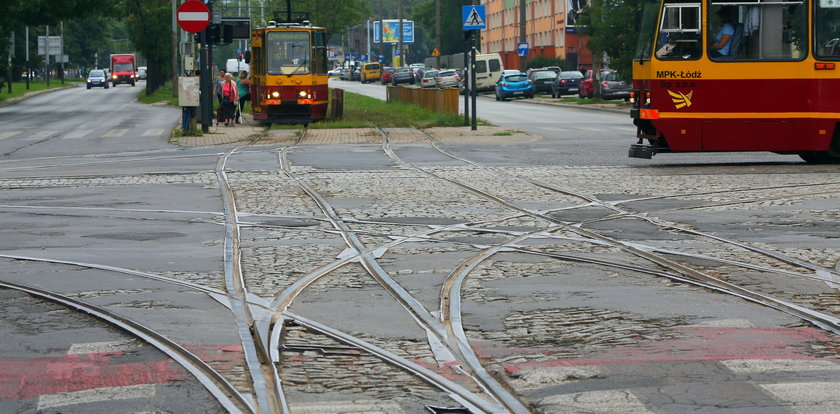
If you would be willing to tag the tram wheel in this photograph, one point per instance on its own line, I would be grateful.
(819, 157)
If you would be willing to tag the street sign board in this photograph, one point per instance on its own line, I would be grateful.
(51, 45)
(391, 31)
(193, 16)
(435, 52)
(522, 49)
(241, 27)
(474, 17)
(363, 58)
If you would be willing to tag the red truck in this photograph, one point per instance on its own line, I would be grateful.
(123, 69)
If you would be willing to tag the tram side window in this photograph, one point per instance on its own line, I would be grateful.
(320, 53)
(827, 29)
(679, 32)
(761, 30)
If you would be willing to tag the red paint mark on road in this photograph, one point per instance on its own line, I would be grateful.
(30, 378)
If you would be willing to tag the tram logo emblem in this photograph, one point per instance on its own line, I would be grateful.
(680, 99)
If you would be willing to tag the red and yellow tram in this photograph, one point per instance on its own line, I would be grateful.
(289, 64)
(749, 75)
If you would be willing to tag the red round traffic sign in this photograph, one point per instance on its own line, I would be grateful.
(193, 16)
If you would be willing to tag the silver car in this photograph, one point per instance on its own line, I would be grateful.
(612, 87)
(428, 79)
(448, 79)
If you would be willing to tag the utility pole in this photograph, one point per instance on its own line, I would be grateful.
(11, 53)
(437, 32)
(174, 51)
(28, 71)
(47, 56)
(61, 53)
(400, 43)
(522, 32)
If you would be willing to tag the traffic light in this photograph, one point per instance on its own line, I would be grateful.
(214, 33)
(227, 34)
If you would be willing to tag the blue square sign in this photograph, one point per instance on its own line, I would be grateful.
(474, 17)
(522, 49)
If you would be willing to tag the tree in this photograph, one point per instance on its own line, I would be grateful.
(149, 24)
(451, 26)
(611, 26)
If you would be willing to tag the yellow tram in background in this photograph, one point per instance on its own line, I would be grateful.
(288, 59)
(738, 75)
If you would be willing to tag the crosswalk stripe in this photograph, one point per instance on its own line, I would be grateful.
(347, 407)
(806, 397)
(40, 135)
(152, 132)
(78, 133)
(9, 134)
(95, 395)
(116, 132)
(753, 366)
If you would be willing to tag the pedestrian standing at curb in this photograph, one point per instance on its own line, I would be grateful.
(244, 86)
(217, 85)
(230, 96)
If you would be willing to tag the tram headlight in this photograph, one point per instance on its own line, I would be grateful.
(304, 94)
(275, 94)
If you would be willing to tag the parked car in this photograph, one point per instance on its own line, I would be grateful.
(335, 72)
(514, 85)
(387, 74)
(402, 75)
(542, 78)
(97, 77)
(612, 87)
(448, 79)
(345, 73)
(371, 72)
(429, 79)
(566, 83)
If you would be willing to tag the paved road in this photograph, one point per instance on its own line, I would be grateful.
(549, 274)
(575, 136)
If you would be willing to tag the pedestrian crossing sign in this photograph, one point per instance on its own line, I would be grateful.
(474, 17)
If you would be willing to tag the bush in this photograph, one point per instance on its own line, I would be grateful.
(542, 62)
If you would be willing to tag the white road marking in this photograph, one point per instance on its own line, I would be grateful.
(752, 366)
(96, 395)
(98, 347)
(553, 129)
(116, 132)
(9, 134)
(78, 133)
(726, 323)
(807, 397)
(591, 129)
(347, 407)
(625, 129)
(40, 134)
(152, 132)
(608, 401)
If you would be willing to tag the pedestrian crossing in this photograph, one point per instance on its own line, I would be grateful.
(41, 134)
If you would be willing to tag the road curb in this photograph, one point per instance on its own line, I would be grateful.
(36, 93)
(567, 105)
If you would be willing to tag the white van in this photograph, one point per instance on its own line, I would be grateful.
(488, 70)
(234, 66)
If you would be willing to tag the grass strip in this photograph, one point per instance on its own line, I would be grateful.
(19, 88)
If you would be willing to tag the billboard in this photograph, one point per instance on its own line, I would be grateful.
(391, 29)
(575, 8)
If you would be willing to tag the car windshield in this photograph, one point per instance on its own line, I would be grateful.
(447, 73)
(516, 78)
(96, 73)
(572, 75)
(402, 70)
(545, 74)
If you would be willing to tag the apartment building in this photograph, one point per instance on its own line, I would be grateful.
(549, 27)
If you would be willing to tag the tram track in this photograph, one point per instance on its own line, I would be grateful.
(820, 319)
(215, 384)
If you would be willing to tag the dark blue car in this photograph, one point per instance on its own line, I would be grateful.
(566, 83)
(515, 84)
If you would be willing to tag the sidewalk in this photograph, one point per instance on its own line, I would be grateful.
(245, 132)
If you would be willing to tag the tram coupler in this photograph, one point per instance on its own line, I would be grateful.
(641, 151)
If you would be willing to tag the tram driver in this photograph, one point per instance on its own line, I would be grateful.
(721, 46)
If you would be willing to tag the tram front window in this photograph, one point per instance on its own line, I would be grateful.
(767, 30)
(647, 30)
(679, 32)
(827, 29)
(287, 53)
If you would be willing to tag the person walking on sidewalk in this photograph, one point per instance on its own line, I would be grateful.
(230, 96)
(244, 86)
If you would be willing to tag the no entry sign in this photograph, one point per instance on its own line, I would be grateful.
(193, 16)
